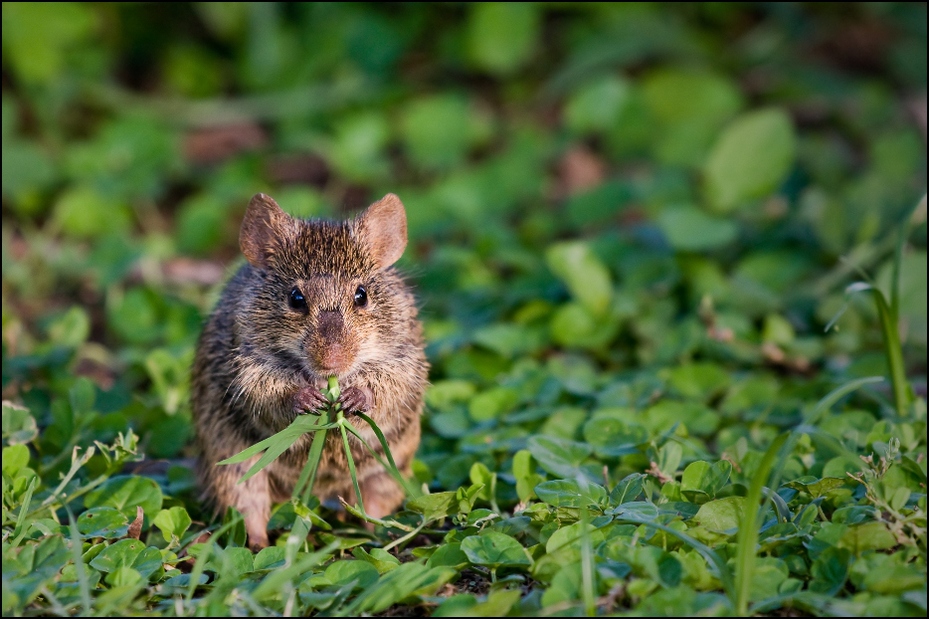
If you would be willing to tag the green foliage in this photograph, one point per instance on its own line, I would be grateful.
(633, 231)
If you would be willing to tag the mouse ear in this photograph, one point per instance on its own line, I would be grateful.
(382, 229)
(264, 225)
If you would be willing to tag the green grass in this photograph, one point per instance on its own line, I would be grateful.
(638, 237)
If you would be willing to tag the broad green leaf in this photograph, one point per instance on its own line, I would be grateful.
(721, 515)
(586, 277)
(610, 437)
(436, 131)
(569, 493)
(628, 489)
(15, 458)
(574, 326)
(702, 480)
(497, 604)
(597, 105)
(382, 560)
(495, 550)
(19, 426)
(492, 403)
(119, 554)
(449, 554)
(81, 396)
(829, 571)
(558, 456)
(85, 213)
(434, 506)
(689, 108)
(502, 36)
(343, 572)
(690, 229)
(105, 522)
(173, 522)
(868, 536)
(816, 487)
(443, 394)
(40, 38)
(524, 472)
(125, 494)
(699, 380)
(637, 511)
(750, 159)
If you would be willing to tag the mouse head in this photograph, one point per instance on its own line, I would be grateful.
(327, 294)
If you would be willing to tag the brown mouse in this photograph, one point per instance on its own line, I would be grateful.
(316, 299)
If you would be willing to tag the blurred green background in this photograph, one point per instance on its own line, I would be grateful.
(597, 190)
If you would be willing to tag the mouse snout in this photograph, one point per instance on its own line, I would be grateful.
(331, 349)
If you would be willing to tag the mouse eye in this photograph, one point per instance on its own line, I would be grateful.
(361, 296)
(296, 300)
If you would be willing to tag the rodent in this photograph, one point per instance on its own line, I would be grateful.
(315, 298)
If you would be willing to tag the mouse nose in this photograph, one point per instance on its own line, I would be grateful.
(331, 325)
(331, 349)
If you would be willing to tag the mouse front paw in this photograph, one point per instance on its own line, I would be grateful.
(356, 399)
(309, 399)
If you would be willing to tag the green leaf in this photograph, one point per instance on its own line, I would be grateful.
(689, 107)
(636, 511)
(610, 437)
(501, 36)
(495, 550)
(721, 515)
(699, 380)
(816, 487)
(597, 105)
(586, 277)
(868, 536)
(628, 489)
(690, 229)
(119, 554)
(750, 159)
(40, 38)
(15, 458)
(830, 570)
(343, 572)
(570, 493)
(382, 560)
(574, 326)
(125, 494)
(558, 456)
(105, 522)
(524, 472)
(492, 403)
(435, 131)
(448, 554)
(497, 604)
(173, 523)
(702, 480)
(81, 396)
(84, 212)
(443, 394)
(19, 427)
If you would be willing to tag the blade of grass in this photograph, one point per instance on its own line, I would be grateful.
(79, 569)
(304, 487)
(19, 531)
(587, 556)
(894, 351)
(391, 465)
(351, 464)
(747, 538)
